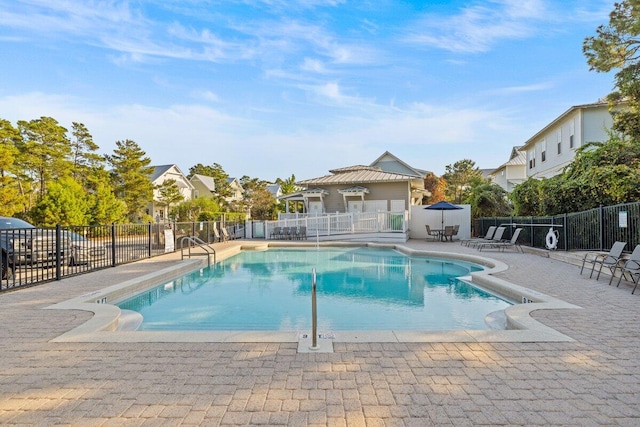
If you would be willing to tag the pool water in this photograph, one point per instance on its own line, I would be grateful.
(358, 289)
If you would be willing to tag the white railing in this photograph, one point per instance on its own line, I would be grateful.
(342, 223)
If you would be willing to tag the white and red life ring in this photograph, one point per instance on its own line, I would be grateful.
(551, 241)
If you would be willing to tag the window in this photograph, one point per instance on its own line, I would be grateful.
(543, 154)
(572, 129)
(559, 140)
(196, 194)
(532, 159)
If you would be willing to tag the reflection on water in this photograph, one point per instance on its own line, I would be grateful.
(358, 289)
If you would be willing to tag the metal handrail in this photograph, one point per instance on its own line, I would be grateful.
(196, 241)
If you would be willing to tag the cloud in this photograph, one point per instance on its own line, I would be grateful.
(187, 134)
(477, 28)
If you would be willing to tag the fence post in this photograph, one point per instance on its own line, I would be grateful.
(149, 239)
(59, 253)
(113, 245)
(564, 232)
(532, 230)
(601, 226)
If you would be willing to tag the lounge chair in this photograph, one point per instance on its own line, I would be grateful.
(490, 232)
(216, 234)
(632, 266)
(497, 237)
(302, 232)
(611, 260)
(226, 234)
(432, 234)
(513, 243)
(275, 234)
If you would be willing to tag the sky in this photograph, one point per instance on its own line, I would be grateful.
(274, 88)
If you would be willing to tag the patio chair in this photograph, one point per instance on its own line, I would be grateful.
(497, 237)
(432, 234)
(513, 243)
(216, 234)
(286, 233)
(490, 232)
(226, 234)
(611, 260)
(448, 233)
(632, 266)
(275, 234)
(302, 232)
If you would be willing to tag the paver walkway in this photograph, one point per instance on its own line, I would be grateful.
(591, 382)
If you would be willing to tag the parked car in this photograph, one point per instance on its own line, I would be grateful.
(84, 251)
(23, 243)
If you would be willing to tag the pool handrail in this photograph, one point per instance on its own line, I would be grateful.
(196, 241)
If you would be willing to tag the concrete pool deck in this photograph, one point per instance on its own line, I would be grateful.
(592, 380)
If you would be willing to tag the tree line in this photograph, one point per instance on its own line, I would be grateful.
(50, 175)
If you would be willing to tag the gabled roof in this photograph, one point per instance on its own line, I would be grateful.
(159, 170)
(561, 117)
(519, 159)
(358, 174)
(207, 181)
(390, 163)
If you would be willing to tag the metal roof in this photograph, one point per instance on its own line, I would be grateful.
(358, 174)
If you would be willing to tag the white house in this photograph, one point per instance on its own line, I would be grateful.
(553, 147)
(236, 190)
(512, 172)
(156, 209)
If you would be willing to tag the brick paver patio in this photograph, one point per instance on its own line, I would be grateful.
(593, 381)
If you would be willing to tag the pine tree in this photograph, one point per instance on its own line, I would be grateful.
(131, 177)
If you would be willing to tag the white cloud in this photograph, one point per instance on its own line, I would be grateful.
(477, 28)
(191, 134)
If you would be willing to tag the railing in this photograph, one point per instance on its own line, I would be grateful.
(594, 229)
(193, 241)
(342, 223)
(37, 255)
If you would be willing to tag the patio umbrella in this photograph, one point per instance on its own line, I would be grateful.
(443, 206)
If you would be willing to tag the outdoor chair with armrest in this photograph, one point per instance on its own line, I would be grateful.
(488, 236)
(497, 237)
(433, 234)
(611, 260)
(513, 243)
(448, 233)
(632, 266)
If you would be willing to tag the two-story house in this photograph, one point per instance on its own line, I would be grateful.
(512, 172)
(551, 149)
(156, 208)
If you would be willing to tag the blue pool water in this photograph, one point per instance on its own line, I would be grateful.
(357, 289)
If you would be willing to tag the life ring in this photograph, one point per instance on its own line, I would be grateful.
(551, 239)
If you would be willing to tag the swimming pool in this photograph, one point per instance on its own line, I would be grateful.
(361, 288)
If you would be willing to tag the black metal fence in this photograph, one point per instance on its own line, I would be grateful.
(592, 230)
(37, 255)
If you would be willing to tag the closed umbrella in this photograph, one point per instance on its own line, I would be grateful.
(443, 206)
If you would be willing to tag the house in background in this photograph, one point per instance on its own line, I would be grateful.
(203, 186)
(511, 173)
(386, 185)
(237, 191)
(551, 149)
(156, 209)
(275, 190)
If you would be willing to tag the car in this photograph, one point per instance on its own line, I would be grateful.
(24, 243)
(84, 251)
